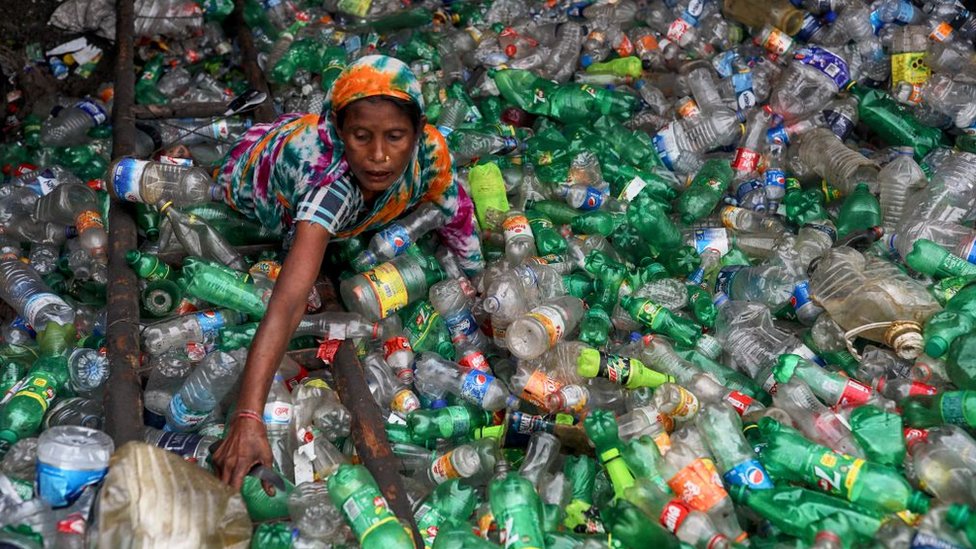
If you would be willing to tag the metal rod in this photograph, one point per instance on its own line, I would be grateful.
(123, 397)
(249, 62)
(369, 434)
(180, 110)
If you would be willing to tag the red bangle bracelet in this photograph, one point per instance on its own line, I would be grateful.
(249, 414)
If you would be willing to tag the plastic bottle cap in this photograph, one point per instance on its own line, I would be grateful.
(785, 368)
(588, 363)
(830, 17)
(586, 60)
(957, 515)
(918, 503)
(936, 346)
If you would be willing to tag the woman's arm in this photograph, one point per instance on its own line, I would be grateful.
(246, 443)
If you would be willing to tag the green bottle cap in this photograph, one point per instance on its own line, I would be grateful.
(738, 492)
(918, 503)
(588, 362)
(936, 346)
(132, 256)
(785, 367)
(957, 515)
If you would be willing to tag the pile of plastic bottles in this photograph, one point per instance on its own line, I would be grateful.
(730, 293)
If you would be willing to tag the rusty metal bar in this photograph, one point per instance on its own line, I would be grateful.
(123, 399)
(369, 434)
(249, 62)
(179, 110)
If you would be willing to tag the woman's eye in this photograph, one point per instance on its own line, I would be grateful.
(362, 137)
(394, 136)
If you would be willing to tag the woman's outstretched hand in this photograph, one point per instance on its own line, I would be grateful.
(245, 446)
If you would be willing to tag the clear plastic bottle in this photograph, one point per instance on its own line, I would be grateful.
(390, 392)
(69, 458)
(173, 18)
(148, 182)
(313, 514)
(378, 293)
(537, 331)
(391, 241)
(337, 325)
(197, 237)
(950, 194)
(822, 152)
(898, 179)
(804, 88)
(453, 300)
(88, 369)
(78, 205)
(519, 239)
(175, 334)
(71, 125)
(944, 474)
(202, 391)
(277, 420)
(167, 375)
(193, 448)
(22, 288)
(947, 96)
(476, 387)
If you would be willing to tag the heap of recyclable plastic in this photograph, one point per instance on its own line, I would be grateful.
(729, 295)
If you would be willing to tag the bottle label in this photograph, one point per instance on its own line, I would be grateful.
(775, 179)
(92, 109)
(395, 345)
(778, 42)
(358, 8)
(941, 32)
(686, 109)
(826, 62)
(475, 386)
(88, 219)
(839, 123)
(673, 515)
(825, 229)
(526, 424)
(666, 146)
(59, 486)
(538, 388)
(801, 295)
(516, 225)
(37, 302)
(855, 394)
(186, 445)
(442, 469)
(46, 182)
(460, 420)
(914, 436)
(711, 239)
(909, 67)
(722, 63)
(918, 388)
(404, 402)
(366, 510)
(750, 474)
(836, 473)
(126, 179)
(699, 485)
(461, 325)
(389, 287)
(743, 190)
(593, 199)
(475, 361)
(210, 323)
(632, 189)
(182, 415)
(927, 540)
(687, 407)
(277, 413)
(746, 160)
(645, 44)
(953, 408)
(745, 97)
(552, 320)
(648, 312)
(724, 280)
(677, 29)
(397, 237)
(740, 402)
(778, 134)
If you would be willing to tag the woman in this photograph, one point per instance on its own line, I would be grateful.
(366, 160)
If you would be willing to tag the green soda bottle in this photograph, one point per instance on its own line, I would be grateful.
(148, 266)
(950, 407)
(622, 66)
(961, 362)
(947, 288)
(789, 456)
(147, 92)
(651, 220)
(217, 286)
(958, 318)
(803, 206)
(661, 320)
(860, 211)
(354, 492)
(601, 427)
(147, 220)
(635, 529)
(581, 473)
(833, 388)
(929, 258)
(559, 212)
(450, 422)
(487, 191)
(450, 502)
(578, 284)
(595, 326)
(705, 190)
(962, 517)
(880, 433)
(547, 238)
(701, 305)
(596, 222)
(458, 535)
(517, 509)
(800, 512)
(894, 123)
(426, 329)
(260, 506)
(22, 415)
(629, 372)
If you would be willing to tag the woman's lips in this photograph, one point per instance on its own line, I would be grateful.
(378, 176)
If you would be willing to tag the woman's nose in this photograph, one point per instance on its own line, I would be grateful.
(377, 152)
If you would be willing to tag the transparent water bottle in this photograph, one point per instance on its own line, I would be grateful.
(808, 83)
(148, 182)
(536, 332)
(394, 239)
(476, 387)
(175, 334)
(898, 179)
(22, 288)
(71, 125)
(202, 391)
(453, 300)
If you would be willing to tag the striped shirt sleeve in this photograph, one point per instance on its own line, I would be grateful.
(334, 206)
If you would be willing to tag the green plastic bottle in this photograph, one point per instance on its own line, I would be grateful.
(450, 422)
(596, 222)
(147, 92)
(517, 509)
(450, 502)
(595, 325)
(661, 320)
(961, 362)
(894, 123)
(629, 372)
(635, 529)
(217, 286)
(651, 220)
(803, 206)
(21, 416)
(962, 517)
(580, 471)
(458, 535)
(950, 407)
(601, 427)
(567, 102)
(957, 318)
(260, 506)
(547, 238)
(578, 284)
(148, 266)
(929, 258)
(354, 492)
(831, 387)
(789, 456)
(860, 211)
(487, 191)
(705, 190)
(622, 66)
(880, 434)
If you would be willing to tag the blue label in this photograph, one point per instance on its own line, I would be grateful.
(775, 178)
(725, 277)
(750, 474)
(825, 61)
(971, 256)
(745, 98)
(92, 109)
(210, 323)
(593, 200)
(876, 23)
(825, 229)
(182, 415)
(125, 179)
(811, 25)
(59, 487)
(462, 324)
(661, 147)
(723, 63)
(777, 134)
(475, 386)
(183, 444)
(925, 540)
(20, 323)
(906, 12)
(717, 239)
(839, 123)
(801, 295)
(397, 237)
(744, 189)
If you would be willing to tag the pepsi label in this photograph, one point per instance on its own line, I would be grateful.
(750, 474)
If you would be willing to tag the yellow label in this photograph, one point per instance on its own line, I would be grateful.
(389, 287)
(687, 407)
(828, 460)
(909, 67)
(663, 442)
(852, 475)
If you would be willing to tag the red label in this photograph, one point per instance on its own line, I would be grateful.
(855, 394)
(919, 388)
(914, 436)
(395, 344)
(328, 349)
(739, 401)
(699, 485)
(475, 361)
(293, 381)
(72, 524)
(745, 160)
(677, 29)
(673, 514)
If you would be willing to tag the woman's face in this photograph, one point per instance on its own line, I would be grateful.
(379, 140)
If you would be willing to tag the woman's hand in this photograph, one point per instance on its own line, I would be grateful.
(245, 446)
